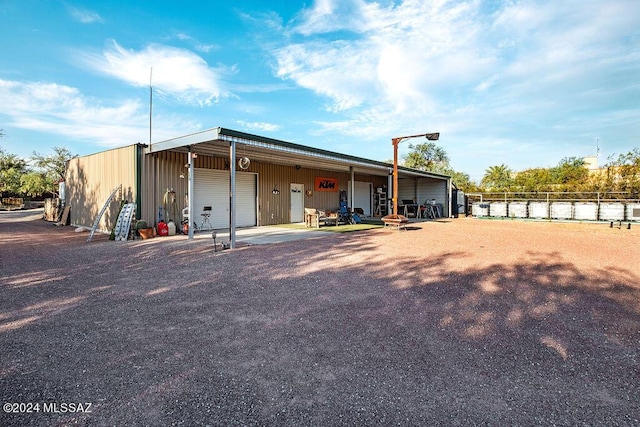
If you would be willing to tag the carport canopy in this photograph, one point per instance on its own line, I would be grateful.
(221, 142)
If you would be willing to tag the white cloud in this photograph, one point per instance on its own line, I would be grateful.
(197, 45)
(85, 16)
(397, 57)
(65, 111)
(467, 67)
(177, 72)
(258, 126)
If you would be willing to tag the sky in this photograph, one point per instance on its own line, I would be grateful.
(523, 83)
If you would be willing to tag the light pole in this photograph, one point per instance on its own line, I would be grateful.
(395, 142)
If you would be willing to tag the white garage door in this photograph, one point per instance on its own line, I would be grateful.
(364, 196)
(211, 188)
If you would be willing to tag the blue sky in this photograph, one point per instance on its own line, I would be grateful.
(524, 83)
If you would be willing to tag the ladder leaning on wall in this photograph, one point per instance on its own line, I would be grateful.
(104, 208)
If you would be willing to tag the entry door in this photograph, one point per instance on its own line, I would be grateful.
(297, 202)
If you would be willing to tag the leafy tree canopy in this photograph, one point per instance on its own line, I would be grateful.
(53, 165)
(11, 169)
(497, 178)
(426, 156)
(34, 178)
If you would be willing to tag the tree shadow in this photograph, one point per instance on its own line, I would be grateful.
(340, 328)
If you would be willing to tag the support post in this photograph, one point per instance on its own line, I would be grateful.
(232, 194)
(190, 187)
(353, 187)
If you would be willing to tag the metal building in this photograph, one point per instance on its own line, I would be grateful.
(274, 186)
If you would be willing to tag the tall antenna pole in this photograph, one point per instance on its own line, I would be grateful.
(150, 104)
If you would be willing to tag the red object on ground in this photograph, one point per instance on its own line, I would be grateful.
(163, 229)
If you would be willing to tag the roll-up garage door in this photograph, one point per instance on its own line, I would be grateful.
(246, 199)
(211, 188)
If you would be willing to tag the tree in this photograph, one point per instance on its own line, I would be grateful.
(536, 179)
(35, 184)
(497, 178)
(51, 167)
(54, 165)
(11, 170)
(570, 174)
(426, 156)
(623, 172)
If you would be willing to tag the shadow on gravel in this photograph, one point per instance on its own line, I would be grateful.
(301, 334)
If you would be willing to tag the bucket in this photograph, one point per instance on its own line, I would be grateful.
(172, 228)
(146, 233)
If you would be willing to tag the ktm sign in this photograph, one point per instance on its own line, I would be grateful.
(326, 184)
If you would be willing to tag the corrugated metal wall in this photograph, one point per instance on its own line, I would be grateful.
(422, 189)
(91, 179)
(162, 171)
(433, 189)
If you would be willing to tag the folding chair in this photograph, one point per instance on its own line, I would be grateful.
(206, 214)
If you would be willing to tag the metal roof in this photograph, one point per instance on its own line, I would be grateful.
(215, 142)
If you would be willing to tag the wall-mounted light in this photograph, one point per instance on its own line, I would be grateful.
(275, 190)
(297, 167)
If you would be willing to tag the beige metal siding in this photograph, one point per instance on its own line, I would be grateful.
(164, 170)
(91, 179)
(161, 172)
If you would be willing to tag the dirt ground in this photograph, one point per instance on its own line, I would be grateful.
(453, 322)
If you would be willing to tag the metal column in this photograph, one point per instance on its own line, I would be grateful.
(353, 187)
(190, 191)
(232, 194)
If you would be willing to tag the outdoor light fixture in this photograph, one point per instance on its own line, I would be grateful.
(395, 141)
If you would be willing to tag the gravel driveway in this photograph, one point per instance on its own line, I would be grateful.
(453, 322)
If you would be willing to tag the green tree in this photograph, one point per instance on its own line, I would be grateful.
(11, 170)
(536, 179)
(51, 167)
(497, 178)
(461, 180)
(426, 156)
(623, 172)
(35, 184)
(570, 174)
